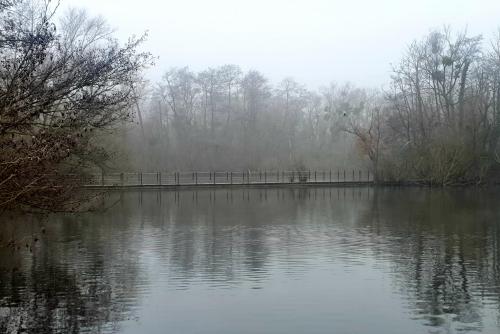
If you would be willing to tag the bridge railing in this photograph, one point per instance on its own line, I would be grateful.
(228, 177)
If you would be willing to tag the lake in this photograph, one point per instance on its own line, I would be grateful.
(242, 260)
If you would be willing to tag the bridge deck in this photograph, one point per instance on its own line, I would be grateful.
(248, 178)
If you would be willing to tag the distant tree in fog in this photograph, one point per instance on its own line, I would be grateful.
(236, 121)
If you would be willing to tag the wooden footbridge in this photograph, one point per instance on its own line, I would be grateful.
(228, 178)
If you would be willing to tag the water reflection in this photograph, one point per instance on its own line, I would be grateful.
(285, 260)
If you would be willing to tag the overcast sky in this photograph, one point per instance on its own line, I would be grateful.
(313, 41)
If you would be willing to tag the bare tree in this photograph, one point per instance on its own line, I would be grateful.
(56, 90)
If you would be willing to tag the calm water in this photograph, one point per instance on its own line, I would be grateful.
(259, 261)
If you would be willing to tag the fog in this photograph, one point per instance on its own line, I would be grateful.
(101, 98)
(315, 41)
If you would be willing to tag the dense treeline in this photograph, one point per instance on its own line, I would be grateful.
(437, 122)
(222, 118)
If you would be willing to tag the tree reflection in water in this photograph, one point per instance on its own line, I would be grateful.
(444, 245)
(94, 272)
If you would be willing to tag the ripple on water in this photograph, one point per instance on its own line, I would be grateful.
(281, 261)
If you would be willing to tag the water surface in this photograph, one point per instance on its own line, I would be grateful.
(284, 260)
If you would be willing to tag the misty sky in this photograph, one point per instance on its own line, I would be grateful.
(313, 41)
